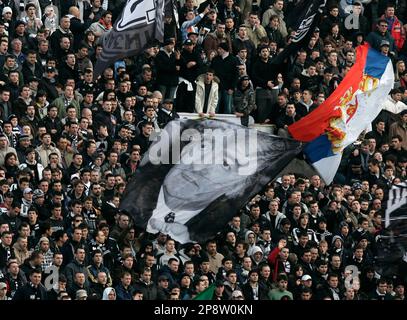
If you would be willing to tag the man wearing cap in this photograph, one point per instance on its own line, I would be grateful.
(166, 113)
(44, 247)
(81, 294)
(48, 83)
(3, 291)
(244, 100)
(191, 65)
(26, 202)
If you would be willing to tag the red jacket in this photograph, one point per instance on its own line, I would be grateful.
(397, 32)
(274, 261)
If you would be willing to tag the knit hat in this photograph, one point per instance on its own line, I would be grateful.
(38, 193)
(81, 294)
(44, 239)
(7, 9)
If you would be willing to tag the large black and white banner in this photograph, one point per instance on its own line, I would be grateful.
(197, 174)
(140, 22)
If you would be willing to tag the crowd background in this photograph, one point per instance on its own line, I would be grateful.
(69, 144)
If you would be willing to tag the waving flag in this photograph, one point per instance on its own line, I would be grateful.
(348, 111)
(392, 241)
(303, 18)
(397, 200)
(198, 174)
(140, 22)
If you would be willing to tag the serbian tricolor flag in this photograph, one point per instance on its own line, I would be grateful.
(348, 111)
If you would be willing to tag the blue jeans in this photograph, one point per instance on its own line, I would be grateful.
(226, 100)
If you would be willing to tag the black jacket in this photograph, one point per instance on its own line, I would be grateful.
(192, 73)
(167, 74)
(226, 71)
(262, 73)
(248, 292)
(49, 88)
(164, 117)
(150, 291)
(5, 255)
(28, 73)
(29, 292)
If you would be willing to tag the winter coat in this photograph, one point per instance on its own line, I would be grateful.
(200, 94)
(167, 74)
(29, 292)
(244, 101)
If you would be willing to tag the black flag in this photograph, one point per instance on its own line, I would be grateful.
(140, 22)
(303, 18)
(199, 173)
(392, 241)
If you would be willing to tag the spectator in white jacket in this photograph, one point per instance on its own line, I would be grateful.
(206, 97)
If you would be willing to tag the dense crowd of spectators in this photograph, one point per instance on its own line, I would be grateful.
(69, 144)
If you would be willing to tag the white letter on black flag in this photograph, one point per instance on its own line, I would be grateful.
(140, 22)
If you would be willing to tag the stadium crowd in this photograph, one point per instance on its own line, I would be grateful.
(69, 144)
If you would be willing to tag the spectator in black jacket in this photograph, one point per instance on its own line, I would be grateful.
(168, 66)
(225, 67)
(33, 290)
(31, 67)
(264, 79)
(288, 118)
(48, 83)
(166, 113)
(62, 31)
(78, 27)
(6, 251)
(143, 140)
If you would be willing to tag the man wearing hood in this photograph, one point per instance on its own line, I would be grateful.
(257, 257)
(250, 239)
(244, 101)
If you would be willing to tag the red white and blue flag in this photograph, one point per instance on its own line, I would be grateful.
(348, 111)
